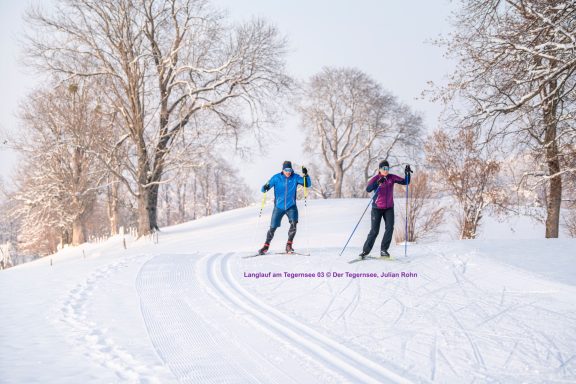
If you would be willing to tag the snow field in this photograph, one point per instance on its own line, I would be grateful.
(190, 310)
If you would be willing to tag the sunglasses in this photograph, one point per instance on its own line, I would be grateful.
(385, 168)
(289, 170)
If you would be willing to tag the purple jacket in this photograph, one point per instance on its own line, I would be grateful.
(385, 198)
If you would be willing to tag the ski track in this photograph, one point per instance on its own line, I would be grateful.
(492, 313)
(207, 328)
(473, 332)
(194, 348)
(184, 301)
(93, 339)
(335, 356)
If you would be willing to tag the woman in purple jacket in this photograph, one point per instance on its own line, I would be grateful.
(383, 206)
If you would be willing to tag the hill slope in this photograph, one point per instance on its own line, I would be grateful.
(192, 309)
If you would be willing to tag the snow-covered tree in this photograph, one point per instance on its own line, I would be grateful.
(516, 75)
(58, 177)
(170, 66)
(570, 196)
(8, 230)
(351, 122)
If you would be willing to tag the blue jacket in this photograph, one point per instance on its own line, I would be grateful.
(285, 188)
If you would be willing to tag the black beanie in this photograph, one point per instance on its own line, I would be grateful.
(286, 164)
(383, 163)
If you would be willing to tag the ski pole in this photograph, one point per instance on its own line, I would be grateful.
(363, 213)
(262, 207)
(259, 216)
(406, 231)
(305, 190)
(407, 175)
(306, 207)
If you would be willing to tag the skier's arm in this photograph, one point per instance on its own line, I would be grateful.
(300, 179)
(372, 184)
(266, 187)
(397, 179)
(406, 179)
(400, 180)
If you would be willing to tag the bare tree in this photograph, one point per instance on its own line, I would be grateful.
(469, 171)
(6, 258)
(211, 187)
(8, 225)
(425, 214)
(174, 67)
(570, 220)
(570, 197)
(348, 116)
(58, 179)
(517, 77)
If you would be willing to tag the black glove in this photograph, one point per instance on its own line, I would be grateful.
(407, 169)
(304, 171)
(381, 180)
(266, 187)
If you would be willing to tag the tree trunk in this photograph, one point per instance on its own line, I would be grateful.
(181, 203)
(470, 223)
(143, 213)
(65, 239)
(144, 224)
(339, 171)
(78, 232)
(152, 206)
(553, 162)
(113, 209)
(468, 230)
(168, 205)
(553, 207)
(194, 198)
(218, 192)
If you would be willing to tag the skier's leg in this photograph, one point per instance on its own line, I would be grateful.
(376, 216)
(292, 231)
(270, 235)
(389, 229)
(292, 214)
(275, 221)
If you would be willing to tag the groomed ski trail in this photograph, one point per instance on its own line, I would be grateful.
(207, 328)
(194, 345)
(94, 340)
(335, 356)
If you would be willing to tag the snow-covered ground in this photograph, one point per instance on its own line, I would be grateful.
(191, 309)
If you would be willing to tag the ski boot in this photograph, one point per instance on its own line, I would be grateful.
(289, 248)
(363, 254)
(264, 249)
(384, 254)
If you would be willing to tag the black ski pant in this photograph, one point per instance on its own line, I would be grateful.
(377, 216)
(291, 232)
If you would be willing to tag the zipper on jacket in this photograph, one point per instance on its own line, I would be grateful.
(384, 192)
(286, 193)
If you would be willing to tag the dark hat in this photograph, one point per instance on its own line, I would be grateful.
(383, 163)
(287, 164)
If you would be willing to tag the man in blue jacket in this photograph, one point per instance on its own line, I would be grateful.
(285, 185)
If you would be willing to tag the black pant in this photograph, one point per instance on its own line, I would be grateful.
(291, 232)
(377, 215)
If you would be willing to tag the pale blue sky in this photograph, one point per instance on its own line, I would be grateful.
(384, 38)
